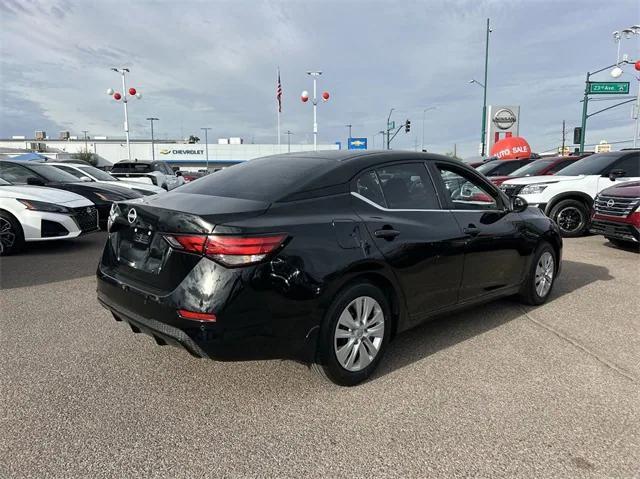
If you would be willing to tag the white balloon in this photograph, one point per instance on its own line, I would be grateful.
(138, 95)
(109, 91)
(616, 72)
(305, 94)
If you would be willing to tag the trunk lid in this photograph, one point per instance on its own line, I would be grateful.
(139, 255)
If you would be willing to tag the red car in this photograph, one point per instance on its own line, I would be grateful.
(616, 214)
(499, 168)
(544, 166)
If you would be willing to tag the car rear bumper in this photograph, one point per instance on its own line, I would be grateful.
(617, 230)
(251, 335)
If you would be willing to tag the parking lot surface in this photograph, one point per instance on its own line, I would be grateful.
(501, 390)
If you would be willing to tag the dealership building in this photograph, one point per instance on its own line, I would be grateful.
(188, 156)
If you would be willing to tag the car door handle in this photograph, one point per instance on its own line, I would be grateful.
(387, 234)
(471, 230)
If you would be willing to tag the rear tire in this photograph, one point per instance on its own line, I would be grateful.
(572, 217)
(541, 276)
(11, 234)
(354, 335)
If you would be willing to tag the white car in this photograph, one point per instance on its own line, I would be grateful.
(157, 173)
(567, 197)
(37, 213)
(91, 173)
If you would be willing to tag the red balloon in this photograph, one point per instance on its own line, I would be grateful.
(511, 148)
(637, 65)
(117, 96)
(325, 95)
(132, 91)
(304, 98)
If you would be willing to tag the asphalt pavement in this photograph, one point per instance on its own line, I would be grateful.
(501, 390)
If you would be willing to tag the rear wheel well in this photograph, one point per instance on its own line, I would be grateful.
(388, 290)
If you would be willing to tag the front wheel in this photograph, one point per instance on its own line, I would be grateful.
(11, 235)
(572, 217)
(354, 335)
(540, 277)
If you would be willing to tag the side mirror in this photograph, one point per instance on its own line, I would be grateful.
(86, 179)
(613, 174)
(35, 181)
(178, 173)
(518, 204)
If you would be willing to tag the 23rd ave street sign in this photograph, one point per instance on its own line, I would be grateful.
(609, 87)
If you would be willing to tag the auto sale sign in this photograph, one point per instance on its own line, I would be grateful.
(511, 148)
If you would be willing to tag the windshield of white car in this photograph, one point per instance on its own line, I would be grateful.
(97, 173)
(591, 165)
(532, 169)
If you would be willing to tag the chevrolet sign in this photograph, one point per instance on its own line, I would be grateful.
(168, 151)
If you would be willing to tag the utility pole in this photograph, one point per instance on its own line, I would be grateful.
(86, 145)
(153, 149)
(484, 100)
(289, 133)
(389, 128)
(564, 136)
(424, 111)
(349, 126)
(206, 145)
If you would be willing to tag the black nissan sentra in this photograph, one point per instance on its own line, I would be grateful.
(320, 257)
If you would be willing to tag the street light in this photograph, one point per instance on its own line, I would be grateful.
(305, 97)
(86, 145)
(424, 111)
(153, 150)
(349, 126)
(206, 145)
(389, 127)
(125, 99)
(616, 72)
(484, 88)
(289, 133)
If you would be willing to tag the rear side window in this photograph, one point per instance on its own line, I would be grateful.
(15, 174)
(263, 179)
(368, 186)
(408, 186)
(630, 165)
(131, 168)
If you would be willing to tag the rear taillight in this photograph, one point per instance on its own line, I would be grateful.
(196, 316)
(227, 249)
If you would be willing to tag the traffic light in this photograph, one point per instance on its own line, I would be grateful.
(407, 126)
(577, 135)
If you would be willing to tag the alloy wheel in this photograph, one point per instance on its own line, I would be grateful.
(544, 274)
(570, 219)
(359, 333)
(7, 235)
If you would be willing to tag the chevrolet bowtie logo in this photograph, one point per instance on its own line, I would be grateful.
(165, 151)
(357, 143)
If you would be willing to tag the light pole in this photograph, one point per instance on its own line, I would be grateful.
(289, 133)
(349, 126)
(305, 97)
(484, 88)
(389, 127)
(206, 145)
(86, 145)
(617, 71)
(117, 96)
(153, 150)
(424, 111)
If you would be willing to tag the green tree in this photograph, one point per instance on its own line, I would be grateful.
(193, 139)
(452, 155)
(86, 156)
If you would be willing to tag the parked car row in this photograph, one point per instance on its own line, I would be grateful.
(49, 201)
(595, 193)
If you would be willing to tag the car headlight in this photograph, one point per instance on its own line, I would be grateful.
(533, 189)
(42, 206)
(114, 212)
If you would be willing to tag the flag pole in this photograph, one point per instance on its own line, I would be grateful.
(278, 104)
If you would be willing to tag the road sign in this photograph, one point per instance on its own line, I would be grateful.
(391, 125)
(357, 143)
(608, 87)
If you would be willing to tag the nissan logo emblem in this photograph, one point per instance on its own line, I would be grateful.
(504, 119)
(132, 215)
(610, 203)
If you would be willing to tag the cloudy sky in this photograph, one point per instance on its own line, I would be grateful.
(213, 63)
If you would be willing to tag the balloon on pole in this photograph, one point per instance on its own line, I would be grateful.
(117, 96)
(325, 96)
(304, 96)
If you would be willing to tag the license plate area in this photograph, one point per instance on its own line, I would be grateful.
(141, 237)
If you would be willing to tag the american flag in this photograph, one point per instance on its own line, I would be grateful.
(279, 93)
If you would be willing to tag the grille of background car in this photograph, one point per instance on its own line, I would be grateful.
(620, 207)
(86, 217)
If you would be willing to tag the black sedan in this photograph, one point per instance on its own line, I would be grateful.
(320, 257)
(31, 173)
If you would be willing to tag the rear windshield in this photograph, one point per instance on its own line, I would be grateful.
(131, 168)
(591, 165)
(532, 169)
(264, 179)
(51, 173)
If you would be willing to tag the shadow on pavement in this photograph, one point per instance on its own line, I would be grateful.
(51, 261)
(443, 332)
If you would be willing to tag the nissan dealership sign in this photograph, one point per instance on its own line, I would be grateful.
(503, 121)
